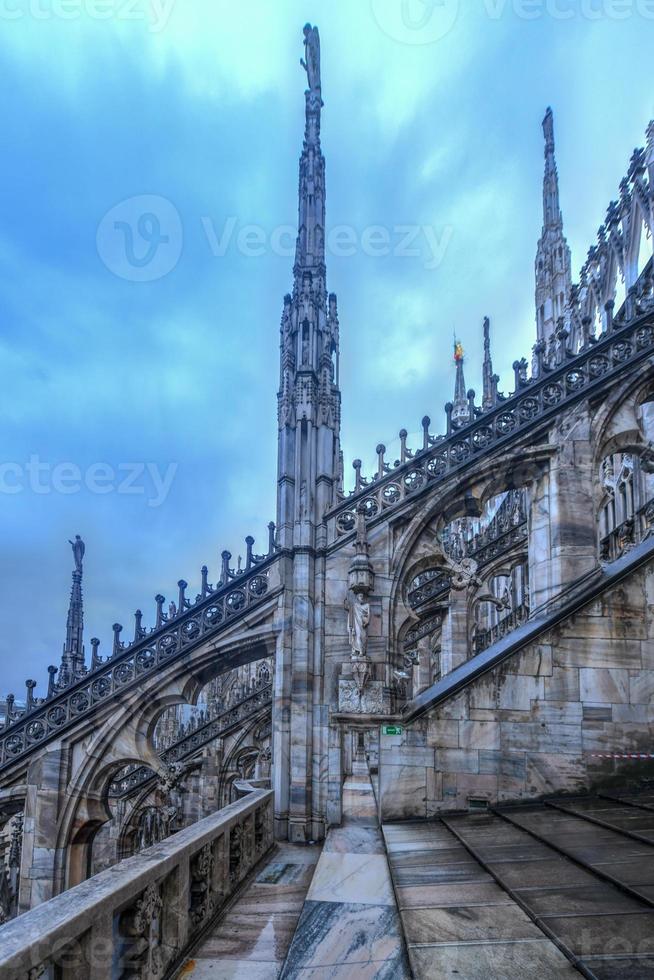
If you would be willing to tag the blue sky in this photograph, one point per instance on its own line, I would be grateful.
(432, 120)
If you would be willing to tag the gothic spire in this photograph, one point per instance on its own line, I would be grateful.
(552, 217)
(553, 275)
(460, 409)
(309, 397)
(489, 397)
(73, 660)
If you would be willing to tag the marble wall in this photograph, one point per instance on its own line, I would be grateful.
(541, 722)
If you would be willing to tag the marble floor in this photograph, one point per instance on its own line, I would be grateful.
(350, 927)
(457, 921)
(252, 939)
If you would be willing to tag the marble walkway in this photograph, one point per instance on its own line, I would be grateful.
(250, 942)
(457, 920)
(350, 927)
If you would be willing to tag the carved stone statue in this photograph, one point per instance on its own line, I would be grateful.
(79, 548)
(464, 574)
(357, 624)
(312, 63)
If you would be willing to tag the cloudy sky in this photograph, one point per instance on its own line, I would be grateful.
(138, 355)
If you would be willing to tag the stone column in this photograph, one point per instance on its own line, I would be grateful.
(39, 879)
(335, 776)
(563, 545)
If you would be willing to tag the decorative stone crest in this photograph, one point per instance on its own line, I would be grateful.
(464, 574)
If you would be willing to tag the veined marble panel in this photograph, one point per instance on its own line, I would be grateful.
(359, 878)
(363, 940)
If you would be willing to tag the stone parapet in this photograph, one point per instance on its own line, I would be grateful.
(138, 918)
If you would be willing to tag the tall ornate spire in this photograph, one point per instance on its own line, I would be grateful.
(309, 392)
(73, 660)
(460, 408)
(553, 275)
(309, 475)
(310, 247)
(489, 397)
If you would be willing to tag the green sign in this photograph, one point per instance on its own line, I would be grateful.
(392, 729)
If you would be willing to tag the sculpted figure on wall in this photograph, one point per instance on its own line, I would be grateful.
(357, 623)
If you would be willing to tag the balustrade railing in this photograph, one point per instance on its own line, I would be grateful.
(134, 777)
(485, 638)
(631, 532)
(459, 543)
(46, 718)
(137, 919)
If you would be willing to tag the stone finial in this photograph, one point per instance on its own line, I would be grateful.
(52, 684)
(449, 407)
(96, 659)
(426, 422)
(608, 309)
(118, 646)
(225, 573)
(29, 694)
(403, 438)
(381, 449)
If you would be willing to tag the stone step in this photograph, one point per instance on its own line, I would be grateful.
(457, 920)
(350, 926)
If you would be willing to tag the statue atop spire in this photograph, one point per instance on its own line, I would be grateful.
(313, 94)
(79, 548)
(312, 63)
(489, 397)
(553, 275)
(460, 410)
(73, 660)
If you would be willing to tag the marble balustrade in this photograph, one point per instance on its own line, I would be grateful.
(141, 920)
